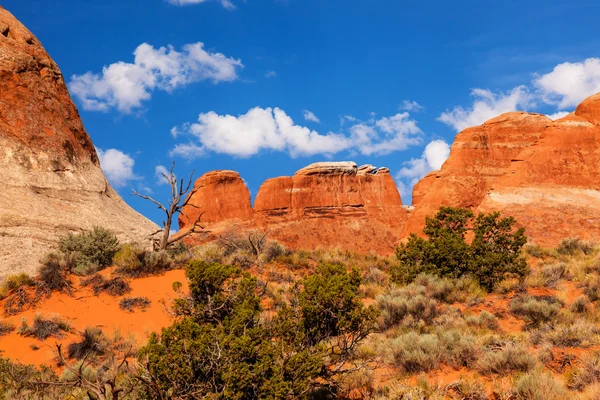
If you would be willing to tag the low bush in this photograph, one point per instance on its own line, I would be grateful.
(115, 286)
(575, 334)
(468, 390)
(586, 373)
(401, 303)
(43, 328)
(14, 282)
(135, 262)
(53, 274)
(580, 305)
(6, 328)
(505, 359)
(19, 301)
(573, 246)
(535, 310)
(130, 303)
(92, 251)
(484, 319)
(538, 385)
(91, 344)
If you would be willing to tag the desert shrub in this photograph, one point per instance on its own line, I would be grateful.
(573, 334)
(91, 344)
(129, 303)
(535, 310)
(93, 250)
(551, 274)
(586, 373)
(400, 303)
(115, 286)
(19, 301)
(484, 319)
(14, 282)
(273, 250)
(53, 273)
(493, 255)
(376, 276)
(536, 251)
(579, 305)
(21, 382)
(135, 261)
(573, 246)
(6, 328)
(209, 253)
(538, 385)
(459, 349)
(505, 359)
(43, 328)
(468, 390)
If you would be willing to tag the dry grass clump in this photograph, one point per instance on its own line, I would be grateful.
(574, 246)
(53, 274)
(92, 343)
(130, 303)
(505, 358)
(43, 328)
(578, 333)
(14, 282)
(580, 305)
(6, 328)
(134, 261)
(538, 385)
(535, 310)
(468, 390)
(586, 373)
(421, 353)
(115, 286)
(485, 319)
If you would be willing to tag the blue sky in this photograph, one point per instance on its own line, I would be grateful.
(265, 87)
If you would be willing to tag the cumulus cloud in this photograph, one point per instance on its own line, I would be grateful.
(125, 86)
(160, 171)
(310, 116)
(558, 115)
(272, 129)
(117, 166)
(435, 154)
(408, 105)
(487, 105)
(569, 83)
(228, 4)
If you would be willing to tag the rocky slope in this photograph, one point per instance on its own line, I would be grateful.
(51, 179)
(332, 204)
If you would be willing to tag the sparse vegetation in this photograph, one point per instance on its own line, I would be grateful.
(115, 286)
(134, 261)
(90, 251)
(91, 344)
(43, 328)
(131, 303)
(6, 328)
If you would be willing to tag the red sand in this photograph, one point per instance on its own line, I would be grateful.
(83, 309)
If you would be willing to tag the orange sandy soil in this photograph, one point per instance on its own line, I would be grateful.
(84, 309)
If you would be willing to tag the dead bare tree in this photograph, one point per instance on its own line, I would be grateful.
(180, 198)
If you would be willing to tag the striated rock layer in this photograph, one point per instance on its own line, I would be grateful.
(333, 204)
(51, 179)
(553, 188)
(479, 155)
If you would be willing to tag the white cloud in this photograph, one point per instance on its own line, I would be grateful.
(558, 115)
(272, 129)
(569, 83)
(408, 105)
(487, 105)
(125, 86)
(117, 166)
(159, 172)
(270, 74)
(434, 155)
(310, 116)
(228, 4)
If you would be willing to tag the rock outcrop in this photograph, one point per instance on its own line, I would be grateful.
(479, 155)
(331, 204)
(218, 196)
(51, 179)
(553, 188)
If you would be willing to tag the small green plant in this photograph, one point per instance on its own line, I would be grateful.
(43, 328)
(134, 261)
(535, 310)
(505, 359)
(93, 250)
(130, 303)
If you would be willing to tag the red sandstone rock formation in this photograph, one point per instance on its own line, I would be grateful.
(479, 155)
(51, 178)
(218, 196)
(322, 205)
(553, 188)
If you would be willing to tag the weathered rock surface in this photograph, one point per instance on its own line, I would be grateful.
(553, 188)
(218, 196)
(332, 204)
(479, 155)
(51, 179)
